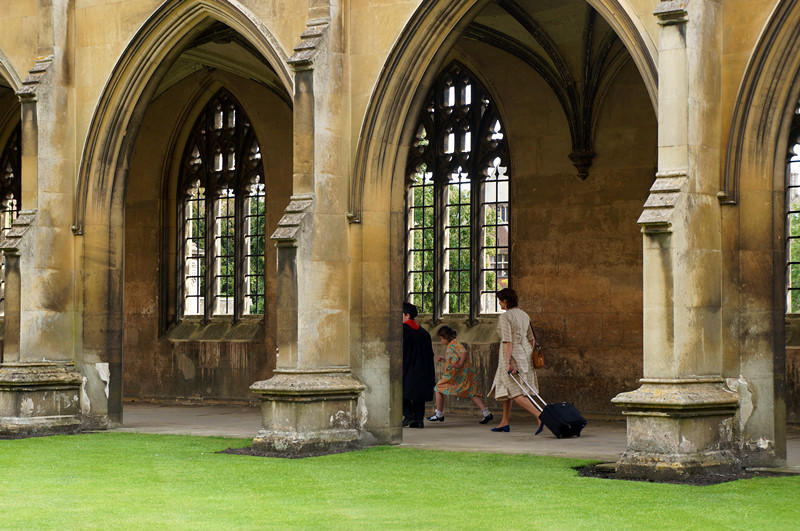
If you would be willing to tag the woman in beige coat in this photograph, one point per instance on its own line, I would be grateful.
(516, 345)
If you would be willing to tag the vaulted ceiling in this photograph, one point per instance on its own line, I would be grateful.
(570, 46)
(221, 48)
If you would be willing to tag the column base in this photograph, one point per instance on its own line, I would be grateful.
(309, 412)
(39, 398)
(679, 429)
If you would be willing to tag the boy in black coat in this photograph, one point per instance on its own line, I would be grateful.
(418, 372)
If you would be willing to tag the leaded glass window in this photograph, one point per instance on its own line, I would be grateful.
(458, 201)
(223, 215)
(793, 217)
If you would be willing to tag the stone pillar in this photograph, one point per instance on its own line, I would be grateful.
(681, 419)
(37, 397)
(311, 404)
(40, 389)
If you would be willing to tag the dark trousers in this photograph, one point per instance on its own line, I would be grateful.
(414, 410)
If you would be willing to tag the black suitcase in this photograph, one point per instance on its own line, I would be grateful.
(562, 418)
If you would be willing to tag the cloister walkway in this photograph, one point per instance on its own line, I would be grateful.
(601, 439)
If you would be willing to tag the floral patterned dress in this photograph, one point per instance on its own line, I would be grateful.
(456, 381)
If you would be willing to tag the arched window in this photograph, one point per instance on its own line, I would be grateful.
(222, 200)
(793, 217)
(458, 200)
(10, 180)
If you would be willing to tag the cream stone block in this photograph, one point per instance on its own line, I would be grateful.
(53, 248)
(692, 285)
(47, 289)
(742, 21)
(98, 24)
(285, 20)
(330, 237)
(132, 15)
(757, 208)
(673, 157)
(756, 271)
(698, 336)
(47, 335)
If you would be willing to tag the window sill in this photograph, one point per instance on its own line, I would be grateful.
(484, 331)
(248, 330)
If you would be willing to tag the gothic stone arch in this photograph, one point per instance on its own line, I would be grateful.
(753, 187)
(377, 185)
(99, 211)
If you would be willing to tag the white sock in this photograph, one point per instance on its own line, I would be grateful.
(439, 414)
(486, 412)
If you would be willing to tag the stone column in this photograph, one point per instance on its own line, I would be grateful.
(311, 404)
(681, 419)
(37, 396)
(40, 389)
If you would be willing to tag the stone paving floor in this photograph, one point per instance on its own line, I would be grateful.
(601, 440)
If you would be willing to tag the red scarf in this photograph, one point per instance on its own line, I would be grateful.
(412, 323)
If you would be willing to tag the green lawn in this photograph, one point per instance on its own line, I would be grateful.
(132, 481)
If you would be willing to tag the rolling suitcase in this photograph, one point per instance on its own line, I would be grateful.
(562, 418)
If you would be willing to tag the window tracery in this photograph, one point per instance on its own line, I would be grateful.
(223, 215)
(458, 200)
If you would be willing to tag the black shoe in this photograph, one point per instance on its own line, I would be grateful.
(485, 419)
(415, 424)
(505, 428)
(406, 422)
(435, 418)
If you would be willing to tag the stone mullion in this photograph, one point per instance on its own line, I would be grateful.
(439, 201)
(476, 199)
(211, 221)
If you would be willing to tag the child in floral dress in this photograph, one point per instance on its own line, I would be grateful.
(458, 378)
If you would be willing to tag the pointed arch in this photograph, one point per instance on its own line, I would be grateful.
(769, 88)
(417, 55)
(137, 73)
(103, 173)
(8, 73)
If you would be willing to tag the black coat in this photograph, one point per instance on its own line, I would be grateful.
(419, 376)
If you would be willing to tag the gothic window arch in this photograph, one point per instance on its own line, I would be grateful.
(458, 201)
(222, 215)
(793, 216)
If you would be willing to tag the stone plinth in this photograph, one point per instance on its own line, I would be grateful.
(679, 428)
(39, 398)
(307, 412)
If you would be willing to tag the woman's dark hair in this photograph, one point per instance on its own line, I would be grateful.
(446, 332)
(410, 309)
(509, 296)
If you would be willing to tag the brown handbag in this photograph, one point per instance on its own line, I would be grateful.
(537, 358)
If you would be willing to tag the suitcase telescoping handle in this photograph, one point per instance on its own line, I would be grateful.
(532, 390)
